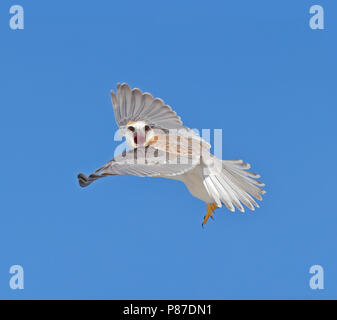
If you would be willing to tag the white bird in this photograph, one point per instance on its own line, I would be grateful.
(163, 147)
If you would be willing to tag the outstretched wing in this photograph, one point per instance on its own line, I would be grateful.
(133, 105)
(144, 161)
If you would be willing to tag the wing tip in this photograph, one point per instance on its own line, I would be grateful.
(113, 98)
(83, 180)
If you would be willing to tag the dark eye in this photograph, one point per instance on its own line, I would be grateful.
(147, 128)
(131, 128)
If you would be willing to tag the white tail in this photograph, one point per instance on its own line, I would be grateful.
(231, 184)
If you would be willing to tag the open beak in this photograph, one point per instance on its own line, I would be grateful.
(139, 139)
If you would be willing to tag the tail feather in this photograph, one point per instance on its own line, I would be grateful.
(211, 189)
(225, 196)
(240, 194)
(234, 185)
(226, 187)
(248, 177)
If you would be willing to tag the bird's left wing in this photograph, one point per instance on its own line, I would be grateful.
(143, 161)
(134, 105)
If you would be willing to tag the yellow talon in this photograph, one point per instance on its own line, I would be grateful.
(214, 206)
(209, 213)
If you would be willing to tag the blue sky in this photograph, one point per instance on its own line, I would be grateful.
(252, 68)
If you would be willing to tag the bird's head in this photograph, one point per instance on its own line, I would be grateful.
(138, 134)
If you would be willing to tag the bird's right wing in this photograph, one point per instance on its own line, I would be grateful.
(144, 161)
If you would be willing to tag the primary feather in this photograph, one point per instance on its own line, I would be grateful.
(133, 105)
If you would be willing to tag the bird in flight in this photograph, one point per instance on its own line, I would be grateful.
(162, 147)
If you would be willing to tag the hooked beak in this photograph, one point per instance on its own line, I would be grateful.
(139, 139)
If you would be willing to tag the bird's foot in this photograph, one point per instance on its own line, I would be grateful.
(209, 213)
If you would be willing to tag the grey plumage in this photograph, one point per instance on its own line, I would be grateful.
(133, 105)
(142, 162)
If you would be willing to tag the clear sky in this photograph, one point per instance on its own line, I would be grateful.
(252, 68)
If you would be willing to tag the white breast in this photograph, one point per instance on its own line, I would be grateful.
(193, 181)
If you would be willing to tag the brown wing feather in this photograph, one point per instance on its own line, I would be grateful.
(180, 144)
